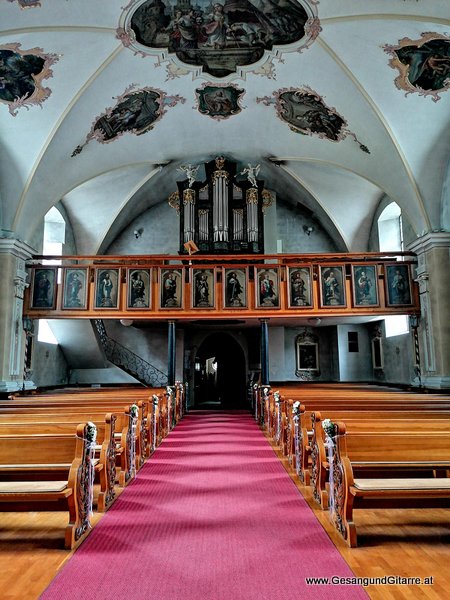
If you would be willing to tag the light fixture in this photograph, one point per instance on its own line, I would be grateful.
(126, 322)
(308, 229)
(138, 232)
(314, 320)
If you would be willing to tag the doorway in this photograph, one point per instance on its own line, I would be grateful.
(220, 374)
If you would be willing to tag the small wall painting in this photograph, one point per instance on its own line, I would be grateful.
(365, 290)
(332, 286)
(203, 288)
(307, 356)
(107, 283)
(138, 288)
(21, 75)
(235, 288)
(75, 288)
(398, 285)
(423, 64)
(299, 286)
(267, 288)
(219, 102)
(44, 288)
(171, 288)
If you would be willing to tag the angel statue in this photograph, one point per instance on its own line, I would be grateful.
(190, 171)
(252, 174)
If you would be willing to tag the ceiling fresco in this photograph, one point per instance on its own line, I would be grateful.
(305, 111)
(136, 111)
(21, 76)
(219, 37)
(423, 64)
(219, 101)
(26, 3)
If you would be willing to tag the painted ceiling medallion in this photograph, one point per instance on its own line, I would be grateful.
(306, 112)
(219, 101)
(21, 76)
(136, 111)
(423, 64)
(220, 39)
(26, 3)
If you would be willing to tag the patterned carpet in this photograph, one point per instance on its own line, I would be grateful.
(212, 515)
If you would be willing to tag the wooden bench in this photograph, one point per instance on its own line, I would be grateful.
(105, 450)
(379, 423)
(394, 450)
(20, 455)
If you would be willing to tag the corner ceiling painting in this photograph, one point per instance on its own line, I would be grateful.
(136, 111)
(218, 37)
(306, 113)
(21, 76)
(423, 64)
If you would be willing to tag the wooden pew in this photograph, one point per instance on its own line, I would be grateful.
(105, 468)
(379, 423)
(394, 450)
(125, 434)
(22, 455)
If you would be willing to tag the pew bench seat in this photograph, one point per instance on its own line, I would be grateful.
(38, 490)
(412, 485)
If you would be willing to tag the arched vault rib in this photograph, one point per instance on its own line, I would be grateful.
(283, 159)
(55, 129)
(384, 124)
(384, 17)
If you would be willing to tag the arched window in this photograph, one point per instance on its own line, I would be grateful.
(390, 236)
(54, 237)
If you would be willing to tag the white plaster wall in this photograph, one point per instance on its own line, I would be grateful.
(354, 366)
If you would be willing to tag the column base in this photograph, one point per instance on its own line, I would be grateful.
(16, 386)
(436, 381)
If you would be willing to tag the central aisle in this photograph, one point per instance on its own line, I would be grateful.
(212, 515)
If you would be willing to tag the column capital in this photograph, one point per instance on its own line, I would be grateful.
(429, 241)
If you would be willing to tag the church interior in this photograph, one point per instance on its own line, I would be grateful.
(226, 227)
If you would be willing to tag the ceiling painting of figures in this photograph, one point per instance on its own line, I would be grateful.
(21, 76)
(220, 36)
(136, 111)
(219, 101)
(26, 3)
(423, 64)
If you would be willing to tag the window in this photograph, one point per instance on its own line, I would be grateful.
(353, 345)
(396, 325)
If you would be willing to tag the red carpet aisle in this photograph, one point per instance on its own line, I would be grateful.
(212, 516)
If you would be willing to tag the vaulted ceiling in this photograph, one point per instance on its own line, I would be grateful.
(370, 138)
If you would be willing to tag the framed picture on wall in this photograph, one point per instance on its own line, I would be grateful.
(398, 285)
(332, 286)
(107, 292)
(307, 356)
(267, 286)
(299, 287)
(44, 287)
(364, 285)
(75, 288)
(171, 288)
(203, 292)
(235, 285)
(139, 288)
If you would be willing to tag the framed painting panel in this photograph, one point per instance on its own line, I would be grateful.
(171, 288)
(299, 287)
(267, 286)
(398, 285)
(203, 292)
(44, 287)
(75, 288)
(364, 285)
(307, 356)
(235, 286)
(107, 292)
(332, 286)
(139, 288)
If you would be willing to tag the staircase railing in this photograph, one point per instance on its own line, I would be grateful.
(127, 360)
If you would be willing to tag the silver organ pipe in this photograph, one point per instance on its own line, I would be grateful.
(252, 214)
(203, 232)
(238, 224)
(189, 214)
(220, 206)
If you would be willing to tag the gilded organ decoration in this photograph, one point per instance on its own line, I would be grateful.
(222, 37)
(423, 64)
(305, 111)
(21, 75)
(221, 214)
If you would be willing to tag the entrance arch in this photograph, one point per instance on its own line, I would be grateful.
(220, 373)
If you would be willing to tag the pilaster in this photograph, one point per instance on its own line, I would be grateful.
(433, 253)
(13, 255)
